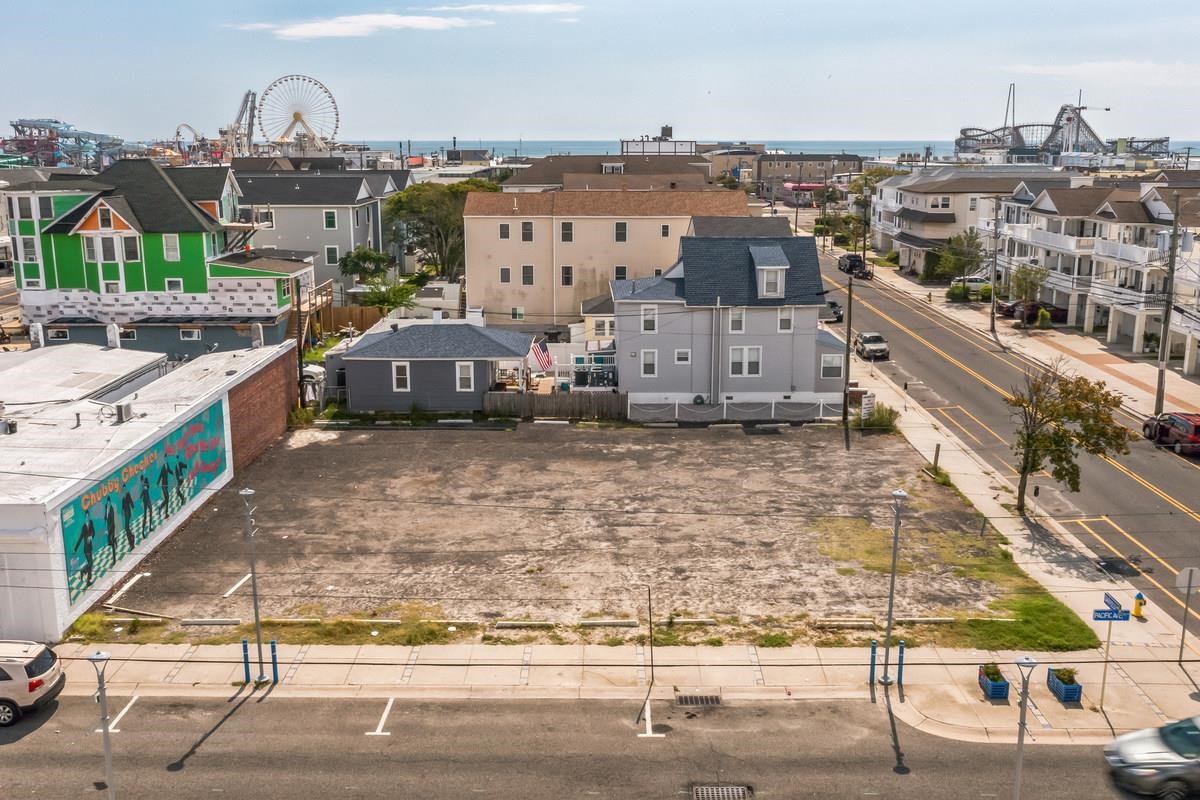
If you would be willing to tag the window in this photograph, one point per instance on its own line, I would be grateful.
(526, 231)
(28, 248)
(127, 334)
(568, 231)
(649, 363)
(112, 287)
(31, 283)
(331, 254)
(174, 284)
(189, 334)
(24, 208)
(285, 287)
(772, 282)
(356, 223)
(89, 249)
(568, 275)
(266, 218)
(657, 272)
(331, 220)
(620, 272)
(785, 320)
(939, 202)
(505, 275)
(737, 320)
(622, 231)
(399, 376)
(527, 274)
(599, 327)
(465, 373)
(665, 231)
(58, 334)
(683, 356)
(503, 230)
(104, 215)
(649, 319)
(831, 365)
(745, 361)
(973, 203)
(131, 250)
(518, 312)
(108, 249)
(45, 208)
(171, 246)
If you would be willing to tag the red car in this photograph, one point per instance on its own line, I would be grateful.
(1029, 311)
(1177, 430)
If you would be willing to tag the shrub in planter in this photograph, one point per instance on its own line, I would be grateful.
(992, 682)
(1065, 674)
(1061, 682)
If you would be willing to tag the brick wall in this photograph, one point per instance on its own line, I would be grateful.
(259, 406)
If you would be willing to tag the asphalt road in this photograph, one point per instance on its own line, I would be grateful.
(277, 748)
(1140, 510)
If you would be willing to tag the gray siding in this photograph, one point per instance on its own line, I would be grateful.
(303, 228)
(432, 384)
(165, 338)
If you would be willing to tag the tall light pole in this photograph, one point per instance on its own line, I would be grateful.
(1025, 664)
(246, 494)
(99, 661)
(1164, 350)
(898, 498)
(995, 257)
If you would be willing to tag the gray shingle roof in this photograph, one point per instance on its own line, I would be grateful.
(917, 215)
(302, 189)
(442, 341)
(647, 289)
(743, 227)
(200, 183)
(724, 268)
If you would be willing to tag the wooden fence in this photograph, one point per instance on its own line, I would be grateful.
(560, 405)
(361, 317)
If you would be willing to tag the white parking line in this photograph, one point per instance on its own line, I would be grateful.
(379, 731)
(112, 726)
(127, 586)
(237, 585)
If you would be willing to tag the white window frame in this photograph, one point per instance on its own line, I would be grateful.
(111, 287)
(396, 387)
(178, 285)
(650, 315)
(286, 287)
(517, 312)
(832, 361)
(170, 246)
(356, 221)
(31, 283)
(470, 376)
(190, 335)
(336, 255)
(58, 334)
(785, 320)
(653, 364)
(113, 241)
(28, 254)
(89, 249)
(101, 212)
(599, 326)
(28, 213)
(566, 231)
(973, 204)
(49, 201)
(683, 356)
(529, 282)
(127, 334)
(524, 223)
(325, 212)
(738, 315)
(137, 247)
(740, 355)
(665, 231)
(266, 218)
(777, 275)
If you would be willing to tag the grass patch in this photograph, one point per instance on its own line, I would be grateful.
(855, 541)
(846, 571)
(939, 475)
(316, 355)
(774, 640)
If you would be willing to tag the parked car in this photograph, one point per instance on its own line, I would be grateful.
(835, 312)
(30, 677)
(1029, 311)
(871, 346)
(1005, 307)
(974, 283)
(1163, 762)
(850, 262)
(1177, 430)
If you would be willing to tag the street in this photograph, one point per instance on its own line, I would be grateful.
(1138, 509)
(254, 746)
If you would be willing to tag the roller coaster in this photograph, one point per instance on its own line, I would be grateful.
(1068, 133)
(52, 142)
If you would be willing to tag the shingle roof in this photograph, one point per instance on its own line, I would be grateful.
(122, 209)
(744, 227)
(442, 341)
(200, 183)
(303, 189)
(549, 171)
(917, 215)
(692, 181)
(1077, 202)
(660, 287)
(606, 204)
(377, 182)
(600, 304)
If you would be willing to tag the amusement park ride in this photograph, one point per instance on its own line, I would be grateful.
(296, 114)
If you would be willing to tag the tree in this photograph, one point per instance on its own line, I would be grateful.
(863, 185)
(429, 217)
(1026, 284)
(364, 263)
(1059, 415)
(962, 255)
(386, 294)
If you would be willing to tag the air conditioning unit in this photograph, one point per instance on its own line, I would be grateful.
(124, 412)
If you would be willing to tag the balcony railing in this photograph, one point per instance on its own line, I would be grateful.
(1117, 295)
(1131, 253)
(1064, 282)
(1062, 241)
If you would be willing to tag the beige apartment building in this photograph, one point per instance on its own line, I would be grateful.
(532, 258)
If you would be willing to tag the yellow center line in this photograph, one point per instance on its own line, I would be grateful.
(1152, 488)
(957, 424)
(1134, 539)
(979, 422)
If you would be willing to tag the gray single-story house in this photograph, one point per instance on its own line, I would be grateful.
(432, 365)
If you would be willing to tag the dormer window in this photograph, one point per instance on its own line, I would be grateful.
(105, 217)
(772, 283)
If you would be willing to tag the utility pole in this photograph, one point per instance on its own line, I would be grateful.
(995, 257)
(898, 498)
(246, 495)
(846, 363)
(1164, 350)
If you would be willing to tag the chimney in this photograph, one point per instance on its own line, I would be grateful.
(37, 336)
(256, 335)
(113, 333)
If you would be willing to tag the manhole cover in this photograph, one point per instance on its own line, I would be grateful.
(721, 792)
(697, 700)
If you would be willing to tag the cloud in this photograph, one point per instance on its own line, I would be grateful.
(357, 25)
(1124, 72)
(513, 8)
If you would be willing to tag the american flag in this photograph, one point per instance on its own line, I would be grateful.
(541, 354)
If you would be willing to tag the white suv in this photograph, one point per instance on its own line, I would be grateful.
(30, 677)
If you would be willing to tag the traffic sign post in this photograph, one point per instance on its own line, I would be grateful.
(1187, 579)
(1111, 602)
(1112, 612)
(1108, 615)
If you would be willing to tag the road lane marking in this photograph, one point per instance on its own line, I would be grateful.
(957, 424)
(112, 726)
(237, 585)
(980, 423)
(1152, 488)
(379, 731)
(112, 600)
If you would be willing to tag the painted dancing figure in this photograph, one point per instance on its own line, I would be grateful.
(86, 534)
(164, 486)
(110, 526)
(180, 477)
(127, 516)
(147, 509)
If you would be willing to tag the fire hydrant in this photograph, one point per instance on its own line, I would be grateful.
(1139, 602)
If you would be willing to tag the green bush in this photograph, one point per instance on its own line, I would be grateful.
(820, 230)
(991, 671)
(883, 420)
(1065, 674)
(300, 417)
(841, 239)
(985, 293)
(957, 293)
(892, 257)
(1043, 319)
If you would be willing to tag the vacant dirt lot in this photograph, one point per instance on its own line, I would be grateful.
(547, 522)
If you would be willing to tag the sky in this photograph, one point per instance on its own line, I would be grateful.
(609, 69)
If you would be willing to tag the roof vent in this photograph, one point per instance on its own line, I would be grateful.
(395, 326)
(124, 412)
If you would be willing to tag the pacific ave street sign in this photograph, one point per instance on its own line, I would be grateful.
(1108, 615)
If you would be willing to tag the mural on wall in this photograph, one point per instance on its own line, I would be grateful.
(106, 521)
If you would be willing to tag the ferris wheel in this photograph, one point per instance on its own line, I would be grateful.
(297, 108)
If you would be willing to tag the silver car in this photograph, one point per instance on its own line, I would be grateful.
(1160, 762)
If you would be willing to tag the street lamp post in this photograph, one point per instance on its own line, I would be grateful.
(246, 494)
(898, 498)
(99, 661)
(1025, 664)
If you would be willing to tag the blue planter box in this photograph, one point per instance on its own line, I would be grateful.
(1065, 692)
(993, 690)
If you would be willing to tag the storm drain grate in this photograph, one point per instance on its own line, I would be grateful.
(722, 792)
(697, 700)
